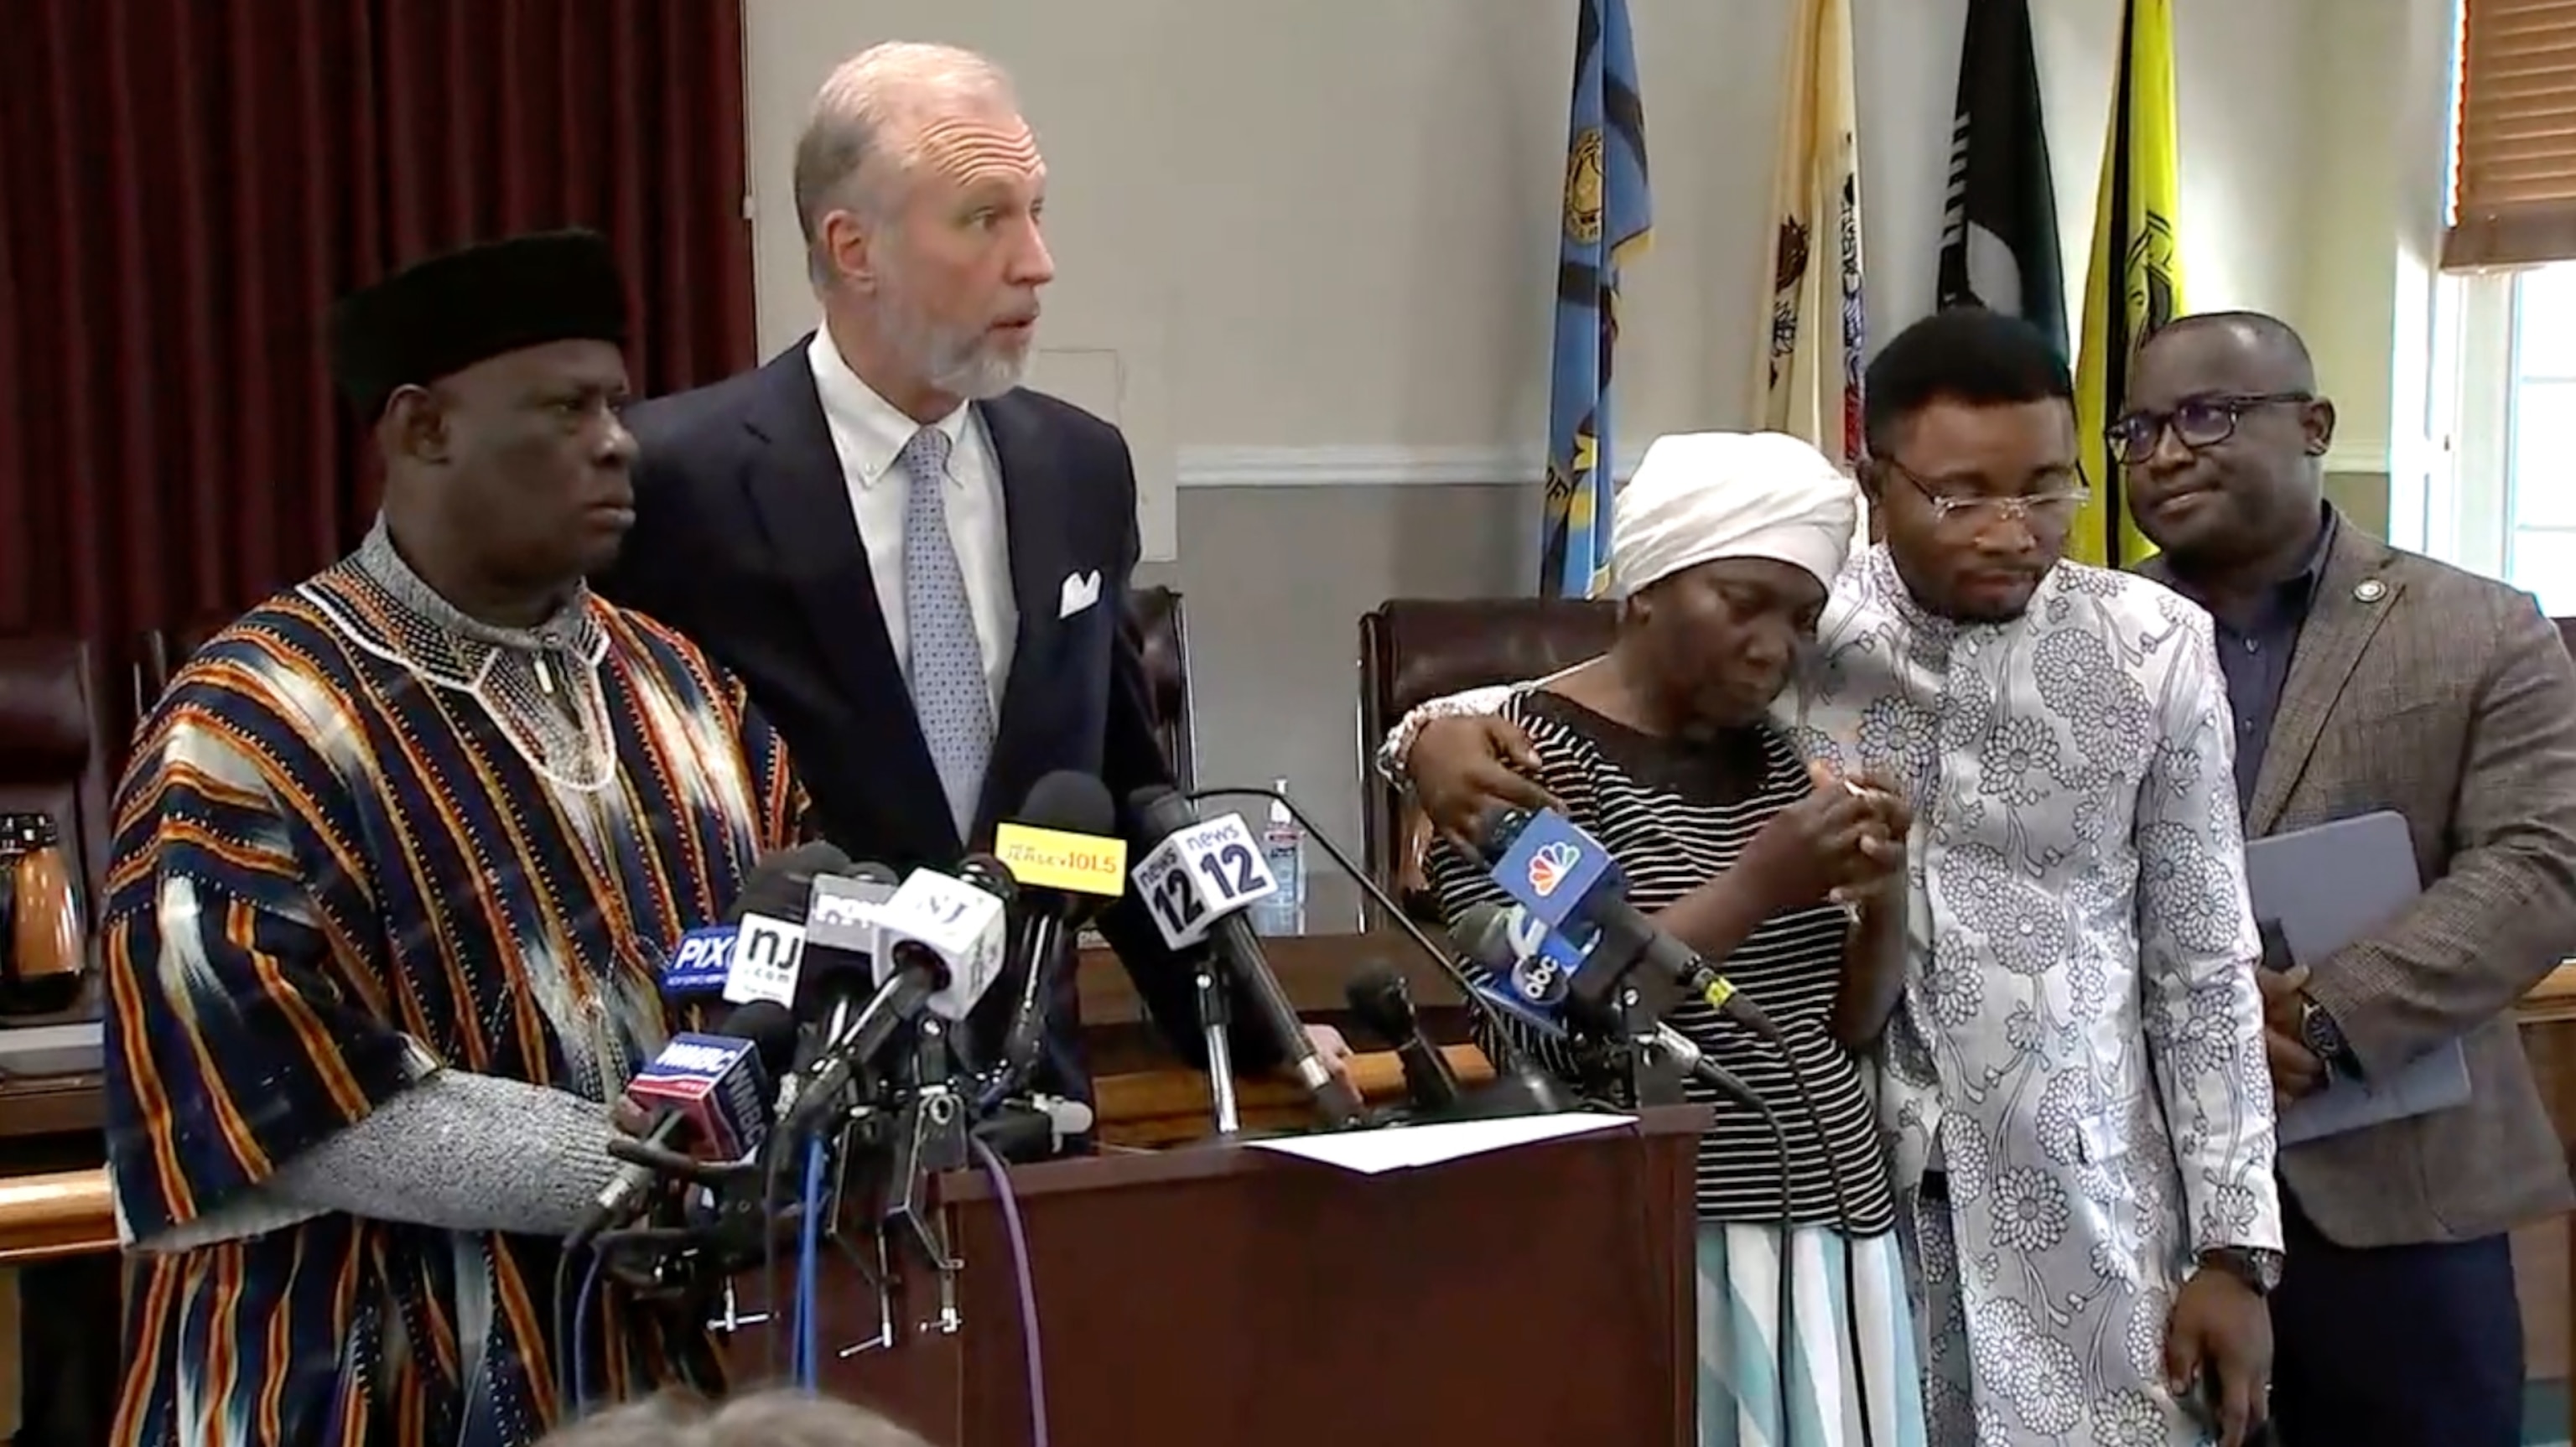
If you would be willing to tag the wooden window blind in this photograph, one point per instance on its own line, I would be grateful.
(2513, 199)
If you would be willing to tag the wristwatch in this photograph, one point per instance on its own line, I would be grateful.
(2324, 1039)
(2258, 1268)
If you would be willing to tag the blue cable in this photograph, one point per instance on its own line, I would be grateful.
(579, 1344)
(808, 1268)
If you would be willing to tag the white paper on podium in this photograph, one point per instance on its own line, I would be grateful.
(1408, 1147)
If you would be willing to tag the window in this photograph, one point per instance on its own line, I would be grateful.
(2506, 505)
(2539, 493)
(2501, 496)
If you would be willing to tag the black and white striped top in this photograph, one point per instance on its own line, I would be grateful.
(1656, 805)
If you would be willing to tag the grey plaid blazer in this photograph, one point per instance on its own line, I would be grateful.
(2448, 698)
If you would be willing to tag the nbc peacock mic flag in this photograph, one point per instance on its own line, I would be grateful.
(1608, 222)
(2133, 283)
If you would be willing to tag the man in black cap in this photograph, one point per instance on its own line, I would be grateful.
(388, 854)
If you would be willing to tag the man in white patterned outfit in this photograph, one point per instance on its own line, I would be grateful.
(2074, 1089)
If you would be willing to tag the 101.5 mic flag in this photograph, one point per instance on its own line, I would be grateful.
(1999, 245)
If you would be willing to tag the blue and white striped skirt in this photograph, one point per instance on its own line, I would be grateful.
(1740, 1402)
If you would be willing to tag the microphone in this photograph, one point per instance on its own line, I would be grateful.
(769, 923)
(1533, 968)
(1065, 852)
(715, 1087)
(1567, 882)
(1198, 880)
(839, 965)
(942, 938)
(702, 966)
(1378, 996)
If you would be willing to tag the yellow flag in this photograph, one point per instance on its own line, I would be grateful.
(2133, 284)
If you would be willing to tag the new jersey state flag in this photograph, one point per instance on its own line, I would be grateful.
(1608, 221)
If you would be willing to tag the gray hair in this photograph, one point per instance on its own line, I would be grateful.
(763, 1419)
(852, 149)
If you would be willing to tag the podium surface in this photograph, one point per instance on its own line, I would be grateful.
(1223, 1294)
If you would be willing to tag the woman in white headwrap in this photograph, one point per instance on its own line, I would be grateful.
(1722, 548)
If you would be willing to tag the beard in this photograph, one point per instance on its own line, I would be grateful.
(972, 364)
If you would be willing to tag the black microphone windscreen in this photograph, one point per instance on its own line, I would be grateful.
(1377, 995)
(1496, 828)
(1484, 935)
(770, 1028)
(989, 875)
(870, 871)
(778, 886)
(1161, 811)
(1070, 802)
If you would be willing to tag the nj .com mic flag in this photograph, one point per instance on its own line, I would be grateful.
(2133, 284)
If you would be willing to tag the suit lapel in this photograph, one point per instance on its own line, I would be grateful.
(2353, 595)
(1032, 510)
(796, 488)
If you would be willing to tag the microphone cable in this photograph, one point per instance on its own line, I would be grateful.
(1023, 1281)
(809, 1247)
(1715, 993)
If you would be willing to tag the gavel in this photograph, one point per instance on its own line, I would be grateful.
(43, 949)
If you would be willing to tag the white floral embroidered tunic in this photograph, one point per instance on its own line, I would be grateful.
(2077, 1065)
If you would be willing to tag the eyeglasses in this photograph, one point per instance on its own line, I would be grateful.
(2053, 509)
(2197, 422)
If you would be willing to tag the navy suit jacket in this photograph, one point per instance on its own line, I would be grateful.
(746, 541)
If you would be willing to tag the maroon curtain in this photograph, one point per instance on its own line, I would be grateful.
(185, 185)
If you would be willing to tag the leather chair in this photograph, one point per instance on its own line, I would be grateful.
(1157, 612)
(1413, 650)
(56, 741)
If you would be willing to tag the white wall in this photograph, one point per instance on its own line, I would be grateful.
(1318, 238)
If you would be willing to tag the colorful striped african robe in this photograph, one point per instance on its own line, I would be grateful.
(328, 876)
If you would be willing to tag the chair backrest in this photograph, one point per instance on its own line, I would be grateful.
(54, 749)
(1166, 646)
(1413, 650)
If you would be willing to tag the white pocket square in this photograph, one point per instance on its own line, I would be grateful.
(1081, 590)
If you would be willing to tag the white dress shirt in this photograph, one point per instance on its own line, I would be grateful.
(870, 434)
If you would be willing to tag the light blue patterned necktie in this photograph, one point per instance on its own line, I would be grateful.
(946, 665)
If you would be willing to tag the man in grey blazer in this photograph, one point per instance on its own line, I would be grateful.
(2364, 677)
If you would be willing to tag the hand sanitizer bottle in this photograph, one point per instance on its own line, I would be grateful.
(1283, 848)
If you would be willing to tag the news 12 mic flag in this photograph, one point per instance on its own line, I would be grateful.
(1807, 378)
(1608, 221)
(1999, 245)
(2133, 281)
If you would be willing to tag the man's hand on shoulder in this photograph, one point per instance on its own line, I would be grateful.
(1464, 766)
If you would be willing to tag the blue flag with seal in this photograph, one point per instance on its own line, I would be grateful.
(1608, 222)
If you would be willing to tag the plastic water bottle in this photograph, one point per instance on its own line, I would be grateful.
(1283, 848)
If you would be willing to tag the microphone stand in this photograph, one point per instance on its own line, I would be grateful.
(1216, 1016)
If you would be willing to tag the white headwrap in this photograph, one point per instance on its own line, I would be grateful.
(1701, 496)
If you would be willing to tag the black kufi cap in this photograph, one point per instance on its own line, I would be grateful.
(447, 313)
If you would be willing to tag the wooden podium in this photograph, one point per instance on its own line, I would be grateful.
(1215, 1293)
